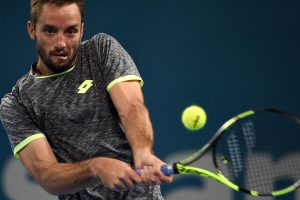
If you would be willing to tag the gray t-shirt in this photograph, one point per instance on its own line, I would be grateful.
(73, 110)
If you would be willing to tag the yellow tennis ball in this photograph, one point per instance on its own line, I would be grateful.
(193, 118)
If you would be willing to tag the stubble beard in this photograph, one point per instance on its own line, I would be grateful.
(46, 59)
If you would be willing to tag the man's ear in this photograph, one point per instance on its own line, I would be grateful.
(82, 30)
(31, 30)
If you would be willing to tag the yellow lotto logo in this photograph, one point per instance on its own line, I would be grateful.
(85, 86)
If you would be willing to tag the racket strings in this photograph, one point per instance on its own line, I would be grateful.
(260, 152)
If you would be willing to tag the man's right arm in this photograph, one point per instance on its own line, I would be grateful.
(39, 159)
(65, 178)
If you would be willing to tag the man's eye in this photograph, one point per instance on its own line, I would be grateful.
(72, 31)
(49, 30)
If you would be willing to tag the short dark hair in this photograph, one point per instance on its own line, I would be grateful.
(36, 7)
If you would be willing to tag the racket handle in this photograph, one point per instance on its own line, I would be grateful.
(138, 171)
(167, 170)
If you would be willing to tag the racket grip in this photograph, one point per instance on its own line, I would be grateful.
(138, 171)
(167, 170)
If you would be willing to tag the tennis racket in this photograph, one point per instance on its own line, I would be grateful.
(256, 152)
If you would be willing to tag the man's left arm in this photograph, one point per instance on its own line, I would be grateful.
(129, 102)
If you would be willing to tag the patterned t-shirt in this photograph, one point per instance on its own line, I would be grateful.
(74, 111)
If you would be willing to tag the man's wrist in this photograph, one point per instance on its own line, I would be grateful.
(140, 155)
(142, 151)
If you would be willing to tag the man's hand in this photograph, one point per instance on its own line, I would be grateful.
(115, 174)
(150, 168)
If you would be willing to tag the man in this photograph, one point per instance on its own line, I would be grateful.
(77, 120)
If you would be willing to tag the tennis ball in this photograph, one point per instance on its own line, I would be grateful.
(193, 117)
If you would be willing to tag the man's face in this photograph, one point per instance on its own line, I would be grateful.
(57, 35)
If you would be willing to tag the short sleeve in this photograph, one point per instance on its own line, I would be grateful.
(18, 123)
(115, 63)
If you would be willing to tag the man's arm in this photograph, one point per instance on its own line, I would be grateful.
(65, 178)
(129, 102)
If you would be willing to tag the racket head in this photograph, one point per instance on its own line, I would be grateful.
(259, 151)
(198, 154)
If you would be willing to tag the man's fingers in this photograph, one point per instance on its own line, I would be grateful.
(119, 187)
(148, 176)
(163, 178)
(131, 179)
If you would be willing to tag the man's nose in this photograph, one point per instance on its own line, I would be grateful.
(60, 41)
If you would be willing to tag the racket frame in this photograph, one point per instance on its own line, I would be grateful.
(182, 167)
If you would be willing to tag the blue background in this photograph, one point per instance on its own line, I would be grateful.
(227, 56)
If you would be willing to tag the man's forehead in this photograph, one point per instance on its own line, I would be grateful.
(68, 13)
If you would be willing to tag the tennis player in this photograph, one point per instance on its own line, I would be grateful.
(77, 119)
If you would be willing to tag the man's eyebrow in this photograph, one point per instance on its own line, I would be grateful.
(49, 26)
(73, 26)
(54, 27)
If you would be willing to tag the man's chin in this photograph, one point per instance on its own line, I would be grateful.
(59, 64)
(59, 68)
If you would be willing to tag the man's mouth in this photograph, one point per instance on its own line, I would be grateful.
(60, 55)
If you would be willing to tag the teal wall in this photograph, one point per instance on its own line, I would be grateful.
(227, 56)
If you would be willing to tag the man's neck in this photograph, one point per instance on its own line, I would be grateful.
(42, 69)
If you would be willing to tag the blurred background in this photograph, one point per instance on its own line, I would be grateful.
(227, 56)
